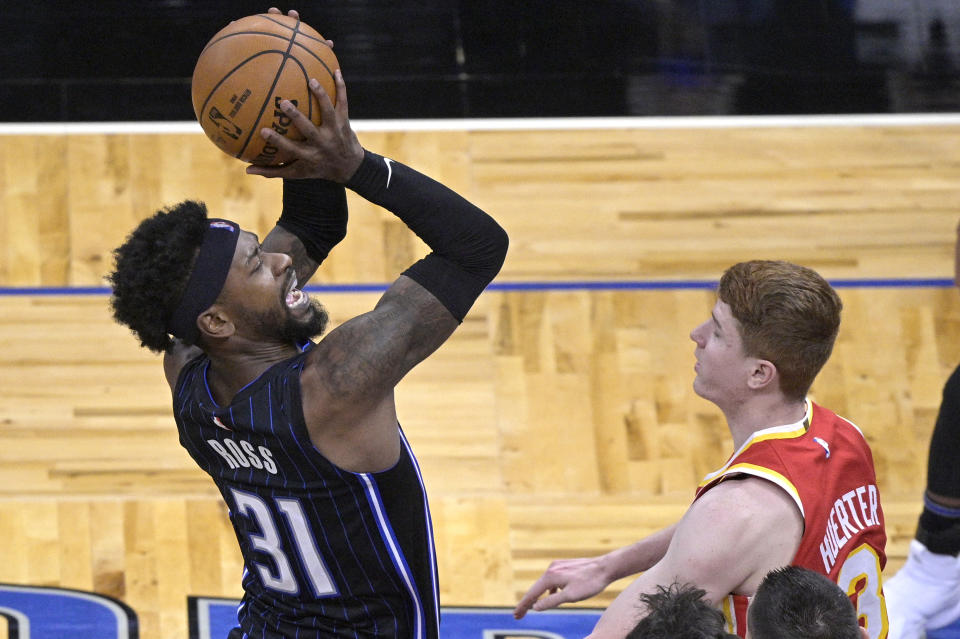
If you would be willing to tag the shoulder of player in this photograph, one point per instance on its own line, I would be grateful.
(837, 434)
(826, 418)
(733, 534)
(752, 499)
(175, 359)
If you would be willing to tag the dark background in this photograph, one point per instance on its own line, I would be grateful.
(131, 61)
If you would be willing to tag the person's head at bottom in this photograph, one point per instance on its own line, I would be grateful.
(678, 612)
(797, 603)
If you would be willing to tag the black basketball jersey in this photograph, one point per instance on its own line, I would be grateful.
(327, 552)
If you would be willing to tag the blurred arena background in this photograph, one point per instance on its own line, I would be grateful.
(112, 60)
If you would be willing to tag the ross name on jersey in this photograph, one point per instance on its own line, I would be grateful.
(244, 455)
(852, 513)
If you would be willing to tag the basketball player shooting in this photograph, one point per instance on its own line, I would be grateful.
(302, 437)
(799, 489)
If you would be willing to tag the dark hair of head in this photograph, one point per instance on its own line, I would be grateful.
(788, 315)
(151, 269)
(678, 612)
(797, 603)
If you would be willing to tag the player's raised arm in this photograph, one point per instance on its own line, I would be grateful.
(313, 221)
(372, 352)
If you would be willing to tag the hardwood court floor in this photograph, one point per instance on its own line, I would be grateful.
(556, 422)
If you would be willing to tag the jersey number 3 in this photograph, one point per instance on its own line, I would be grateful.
(860, 579)
(268, 541)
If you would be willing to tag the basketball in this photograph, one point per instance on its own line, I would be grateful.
(244, 72)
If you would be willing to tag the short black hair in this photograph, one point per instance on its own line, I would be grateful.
(151, 269)
(798, 603)
(679, 611)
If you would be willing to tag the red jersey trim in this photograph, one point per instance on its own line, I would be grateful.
(789, 431)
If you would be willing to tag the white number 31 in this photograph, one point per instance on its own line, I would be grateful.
(268, 541)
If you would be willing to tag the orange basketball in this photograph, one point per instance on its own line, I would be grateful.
(244, 72)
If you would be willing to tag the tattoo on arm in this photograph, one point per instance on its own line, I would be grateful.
(370, 354)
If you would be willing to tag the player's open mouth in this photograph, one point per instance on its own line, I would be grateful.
(295, 297)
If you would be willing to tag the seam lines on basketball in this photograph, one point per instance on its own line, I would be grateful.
(306, 80)
(306, 76)
(203, 107)
(276, 79)
(298, 32)
(314, 56)
(269, 18)
(243, 33)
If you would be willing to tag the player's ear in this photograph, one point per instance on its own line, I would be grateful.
(215, 323)
(863, 633)
(762, 374)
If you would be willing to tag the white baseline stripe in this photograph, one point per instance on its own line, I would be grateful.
(522, 124)
(203, 619)
(23, 623)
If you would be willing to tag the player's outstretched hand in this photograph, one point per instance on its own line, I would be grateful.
(330, 151)
(566, 580)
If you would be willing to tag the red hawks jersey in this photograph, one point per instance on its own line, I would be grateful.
(825, 465)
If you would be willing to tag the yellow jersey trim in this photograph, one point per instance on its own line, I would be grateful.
(790, 431)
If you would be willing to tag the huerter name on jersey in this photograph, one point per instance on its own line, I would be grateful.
(852, 513)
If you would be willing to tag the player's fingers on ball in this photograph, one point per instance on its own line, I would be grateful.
(285, 144)
(293, 13)
(299, 120)
(341, 93)
(273, 10)
(265, 171)
(327, 112)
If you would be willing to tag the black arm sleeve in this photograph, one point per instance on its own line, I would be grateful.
(316, 212)
(468, 245)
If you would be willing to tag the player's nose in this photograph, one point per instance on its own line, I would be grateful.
(280, 262)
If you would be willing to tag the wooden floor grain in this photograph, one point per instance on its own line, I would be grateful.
(557, 422)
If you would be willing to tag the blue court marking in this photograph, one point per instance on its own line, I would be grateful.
(63, 613)
(27, 291)
(583, 285)
(950, 632)
(213, 617)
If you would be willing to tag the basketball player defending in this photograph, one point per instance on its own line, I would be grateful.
(925, 593)
(799, 489)
(302, 438)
